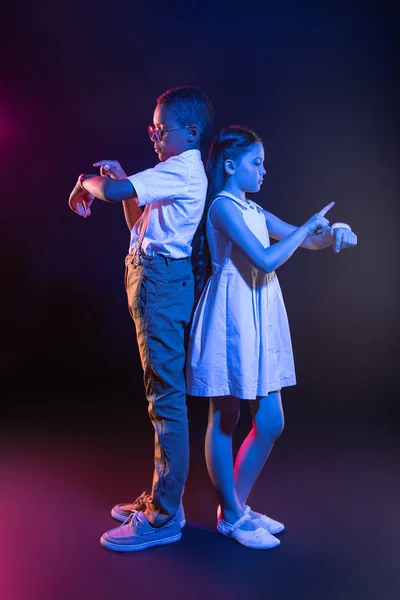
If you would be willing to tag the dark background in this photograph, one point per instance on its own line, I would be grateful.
(317, 80)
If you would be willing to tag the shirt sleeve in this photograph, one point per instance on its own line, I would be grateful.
(166, 181)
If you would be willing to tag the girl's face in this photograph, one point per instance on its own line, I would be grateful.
(249, 172)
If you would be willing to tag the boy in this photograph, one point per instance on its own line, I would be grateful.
(159, 285)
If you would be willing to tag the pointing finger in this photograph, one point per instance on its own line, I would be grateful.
(325, 209)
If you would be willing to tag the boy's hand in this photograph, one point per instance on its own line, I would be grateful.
(342, 239)
(80, 201)
(111, 168)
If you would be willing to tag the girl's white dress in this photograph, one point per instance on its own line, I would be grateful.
(240, 340)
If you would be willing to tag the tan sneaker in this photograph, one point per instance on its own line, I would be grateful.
(138, 534)
(121, 512)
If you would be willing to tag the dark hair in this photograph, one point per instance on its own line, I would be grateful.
(232, 142)
(191, 106)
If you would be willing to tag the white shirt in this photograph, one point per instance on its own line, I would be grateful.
(174, 192)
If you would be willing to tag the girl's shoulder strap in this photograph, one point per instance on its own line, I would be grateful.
(242, 203)
(239, 203)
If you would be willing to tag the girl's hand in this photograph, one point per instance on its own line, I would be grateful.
(317, 224)
(80, 201)
(342, 239)
(110, 168)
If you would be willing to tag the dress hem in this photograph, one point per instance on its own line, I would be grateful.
(240, 393)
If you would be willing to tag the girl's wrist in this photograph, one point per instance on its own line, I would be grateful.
(304, 230)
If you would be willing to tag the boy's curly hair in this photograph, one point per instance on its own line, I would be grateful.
(191, 106)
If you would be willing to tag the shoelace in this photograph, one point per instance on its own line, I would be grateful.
(140, 501)
(265, 520)
(133, 520)
(260, 532)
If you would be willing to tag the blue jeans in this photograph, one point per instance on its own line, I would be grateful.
(160, 299)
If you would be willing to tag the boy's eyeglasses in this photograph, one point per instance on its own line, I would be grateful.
(158, 132)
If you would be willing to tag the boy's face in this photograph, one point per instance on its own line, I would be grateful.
(168, 143)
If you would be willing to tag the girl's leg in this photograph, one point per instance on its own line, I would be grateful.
(223, 416)
(268, 423)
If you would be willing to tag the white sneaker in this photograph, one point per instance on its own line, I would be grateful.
(258, 539)
(267, 523)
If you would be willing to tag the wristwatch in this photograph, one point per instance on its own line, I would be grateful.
(340, 226)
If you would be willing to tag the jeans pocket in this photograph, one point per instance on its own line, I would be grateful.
(176, 297)
(182, 278)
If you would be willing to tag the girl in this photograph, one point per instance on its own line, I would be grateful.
(240, 345)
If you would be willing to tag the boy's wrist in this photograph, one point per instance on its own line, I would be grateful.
(82, 177)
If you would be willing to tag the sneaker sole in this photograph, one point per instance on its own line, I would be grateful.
(275, 531)
(235, 539)
(126, 548)
(121, 518)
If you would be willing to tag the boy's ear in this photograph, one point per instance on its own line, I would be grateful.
(229, 166)
(193, 130)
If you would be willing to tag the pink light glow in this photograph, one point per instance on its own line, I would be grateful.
(11, 129)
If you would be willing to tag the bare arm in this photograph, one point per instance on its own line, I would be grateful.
(340, 238)
(279, 230)
(115, 190)
(109, 190)
(114, 187)
(113, 169)
(132, 212)
(228, 219)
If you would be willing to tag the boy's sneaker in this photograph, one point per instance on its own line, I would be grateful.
(267, 523)
(121, 512)
(257, 539)
(137, 534)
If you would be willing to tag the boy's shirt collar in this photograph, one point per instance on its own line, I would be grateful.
(185, 152)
